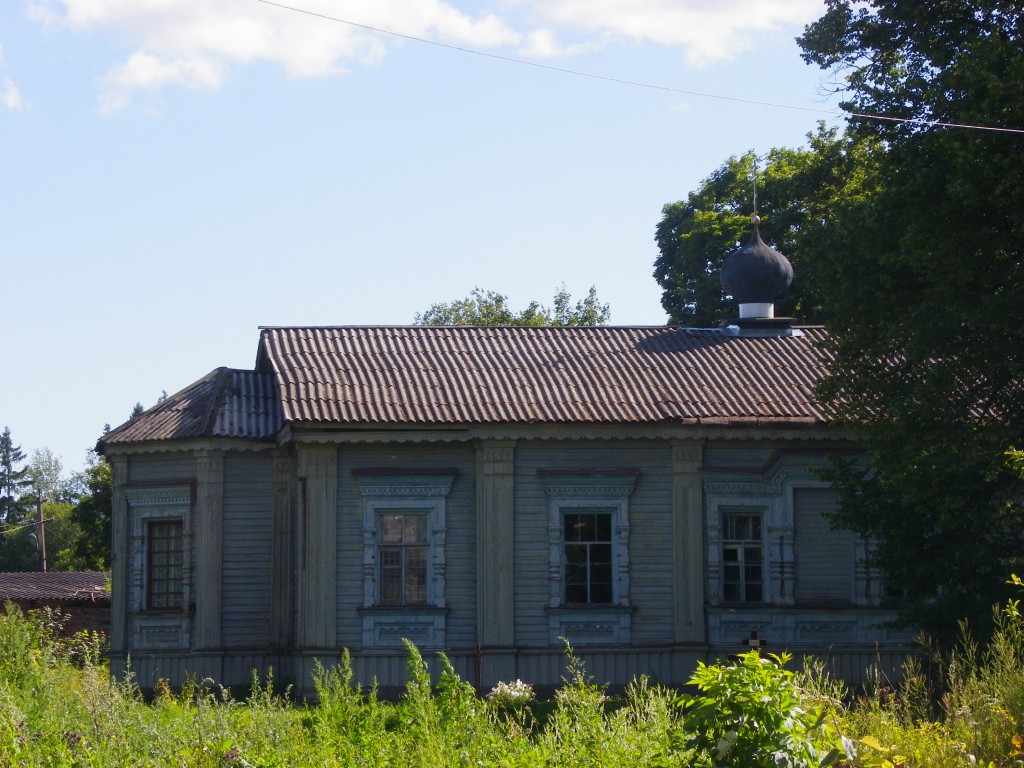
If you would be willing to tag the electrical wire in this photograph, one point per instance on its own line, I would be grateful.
(639, 84)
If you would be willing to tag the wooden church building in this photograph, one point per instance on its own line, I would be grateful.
(650, 495)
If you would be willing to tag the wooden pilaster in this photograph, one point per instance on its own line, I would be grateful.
(494, 552)
(119, 559)
(282, 550)
(209, 562)
(688, 513)
(318, 541)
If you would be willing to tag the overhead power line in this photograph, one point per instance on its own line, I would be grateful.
(639, 84)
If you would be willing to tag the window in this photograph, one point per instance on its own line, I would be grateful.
(587, 547)
(403, 555)
(165, 560)
(588, 555)
(158, 580)
(742, 558)
(404, 573)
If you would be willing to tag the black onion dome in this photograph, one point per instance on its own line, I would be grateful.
(756, 273)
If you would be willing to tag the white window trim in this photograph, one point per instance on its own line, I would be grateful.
(772, 494)
(158, 629)
(568, 491)
(386, 626)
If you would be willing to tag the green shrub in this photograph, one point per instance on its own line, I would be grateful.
(750, 714)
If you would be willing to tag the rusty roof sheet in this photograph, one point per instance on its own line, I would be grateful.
(438, 375)
(79, 585)
(225, 403)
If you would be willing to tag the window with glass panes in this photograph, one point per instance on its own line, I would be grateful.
(742, 558)
(587, 552)
(165, 556)
(403, 556)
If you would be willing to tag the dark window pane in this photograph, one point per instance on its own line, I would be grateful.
(742, 558)
(165, 555)
(415, 529)
(587, 557)
(391, 529)
(600, 592)
(575, 553)
(403, 558)
(574, 526)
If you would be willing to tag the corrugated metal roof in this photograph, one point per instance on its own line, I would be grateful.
(225, 403)
(80, 585)
(433, 375)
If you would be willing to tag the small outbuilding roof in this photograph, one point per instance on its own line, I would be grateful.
(53, 585)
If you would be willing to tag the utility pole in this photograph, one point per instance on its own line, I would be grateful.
(41, 539)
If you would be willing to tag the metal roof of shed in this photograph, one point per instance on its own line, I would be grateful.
(54, 585)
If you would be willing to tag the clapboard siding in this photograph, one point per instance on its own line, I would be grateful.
(824, 557)
(460, 544)
(650, 511)
(160, 468)
(247, 542)
(651, 542)
(729, 455)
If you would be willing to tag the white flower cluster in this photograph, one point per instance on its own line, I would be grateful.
(516, 692)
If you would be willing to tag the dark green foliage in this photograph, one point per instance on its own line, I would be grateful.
(797, 193)
(14, 481)
(923, 277)
(490, 308)
(92, 514)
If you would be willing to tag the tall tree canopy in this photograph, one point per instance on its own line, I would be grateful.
(92, 513)
(14, 479)
(797, 190)
(492, 308)
(923, 278)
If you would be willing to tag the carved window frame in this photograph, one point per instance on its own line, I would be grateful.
(420, 492)
(606, 491)
(159, 628)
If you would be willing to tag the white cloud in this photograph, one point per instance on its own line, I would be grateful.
(706, 30)
(10, 96)
(542, 44)
(143, 71)
(196, 43)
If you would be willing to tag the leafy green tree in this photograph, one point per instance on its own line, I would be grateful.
(19, 547)
(490, 308)
(797, 190)
(923, 277)
(14, 481)
(92, 512)
(46, 472)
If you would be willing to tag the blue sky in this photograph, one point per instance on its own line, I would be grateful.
(177, 173)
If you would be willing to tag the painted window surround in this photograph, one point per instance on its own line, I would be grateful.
(423, 491)
(568, 491)
(150, 629)
(779, 618)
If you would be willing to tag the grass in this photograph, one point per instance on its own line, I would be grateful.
(60, 707)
